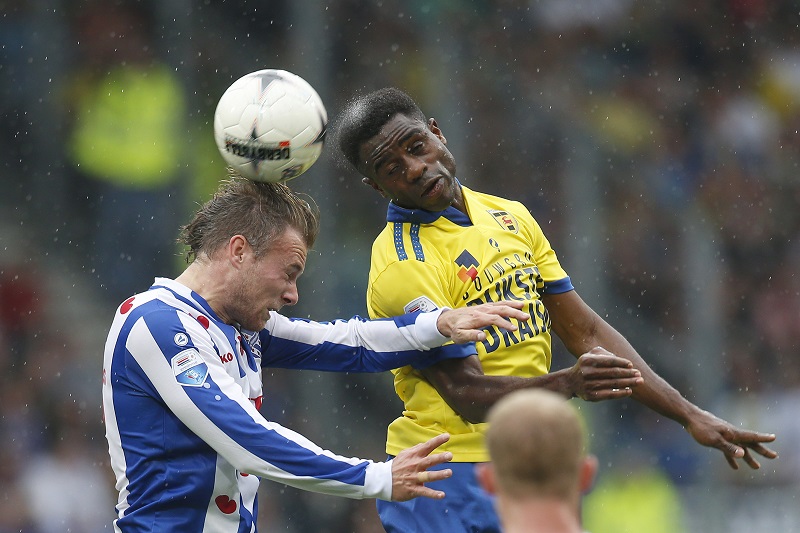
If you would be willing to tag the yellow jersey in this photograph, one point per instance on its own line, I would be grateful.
(424, 260)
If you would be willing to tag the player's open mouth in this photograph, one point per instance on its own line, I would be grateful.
(434, 188)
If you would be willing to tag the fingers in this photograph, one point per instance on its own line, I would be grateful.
(751, 437)
(750, 460)
(498, 313)
(433, 475)
(466, 324)
(601, 358)
(745, 442)
(600, 375)
(607, 394)
(427, 492)
(732, 462)
(425, 448)
(763, 450)
(737, 444)
(410, 470)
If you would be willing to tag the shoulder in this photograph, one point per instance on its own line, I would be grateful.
(158, 311)
(497, 202)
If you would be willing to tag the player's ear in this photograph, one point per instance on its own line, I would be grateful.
(371, 183)
(485, 474)
(587, 473)
(434, 127)
(236, 249)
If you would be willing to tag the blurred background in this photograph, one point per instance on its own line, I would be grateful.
(655, 142)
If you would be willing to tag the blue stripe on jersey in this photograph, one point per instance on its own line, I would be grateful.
(398, 242)
(559, 286)
(415, 243)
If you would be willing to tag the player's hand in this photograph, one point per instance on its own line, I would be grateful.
(410, 470)
(735, 443)
(464, 324)
(600, 375)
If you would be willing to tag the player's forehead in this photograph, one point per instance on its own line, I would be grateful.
(289, 248)
(393, 135)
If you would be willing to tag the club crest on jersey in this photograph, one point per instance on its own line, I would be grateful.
(469, 266)
(505, 219)
(421, 303)
(189, 368)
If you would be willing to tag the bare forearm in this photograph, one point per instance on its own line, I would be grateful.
(473, 402)
(471, 393)
(655, 392)
(581, 329)
(597, 375)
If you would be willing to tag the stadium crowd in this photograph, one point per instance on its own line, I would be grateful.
(669, 130)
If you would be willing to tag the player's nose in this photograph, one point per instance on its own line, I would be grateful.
(415, 169)
(291, 295)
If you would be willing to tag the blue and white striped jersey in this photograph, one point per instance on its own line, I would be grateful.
(181, 392)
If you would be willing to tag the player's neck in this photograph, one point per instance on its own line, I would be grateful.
(204, 279)
(459, 202)
(538, 516)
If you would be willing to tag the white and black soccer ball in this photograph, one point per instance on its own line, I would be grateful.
(270, 125)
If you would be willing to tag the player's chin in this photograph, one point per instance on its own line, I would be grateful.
(256, 323)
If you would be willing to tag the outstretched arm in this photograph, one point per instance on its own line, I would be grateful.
(361, 345)
(580, 328)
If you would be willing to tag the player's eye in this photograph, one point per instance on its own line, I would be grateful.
(416, 147)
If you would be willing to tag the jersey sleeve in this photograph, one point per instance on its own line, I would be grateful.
(354, 345)
(422, 287)
(193, 384)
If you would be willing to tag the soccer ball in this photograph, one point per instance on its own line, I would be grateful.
(269, 125)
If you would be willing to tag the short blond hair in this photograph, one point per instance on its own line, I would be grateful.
(261, 212)
(536, 441)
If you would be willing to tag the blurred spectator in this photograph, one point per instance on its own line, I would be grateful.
(20, 313)
(633, 497)
(65, 489)
(15, 513)
(128, 114)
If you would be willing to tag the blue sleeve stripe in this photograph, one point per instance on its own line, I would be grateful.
(558, 286)
(448, 351)
(408, 319)
(330, 357)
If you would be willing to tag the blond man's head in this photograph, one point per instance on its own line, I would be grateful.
(537, 445)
